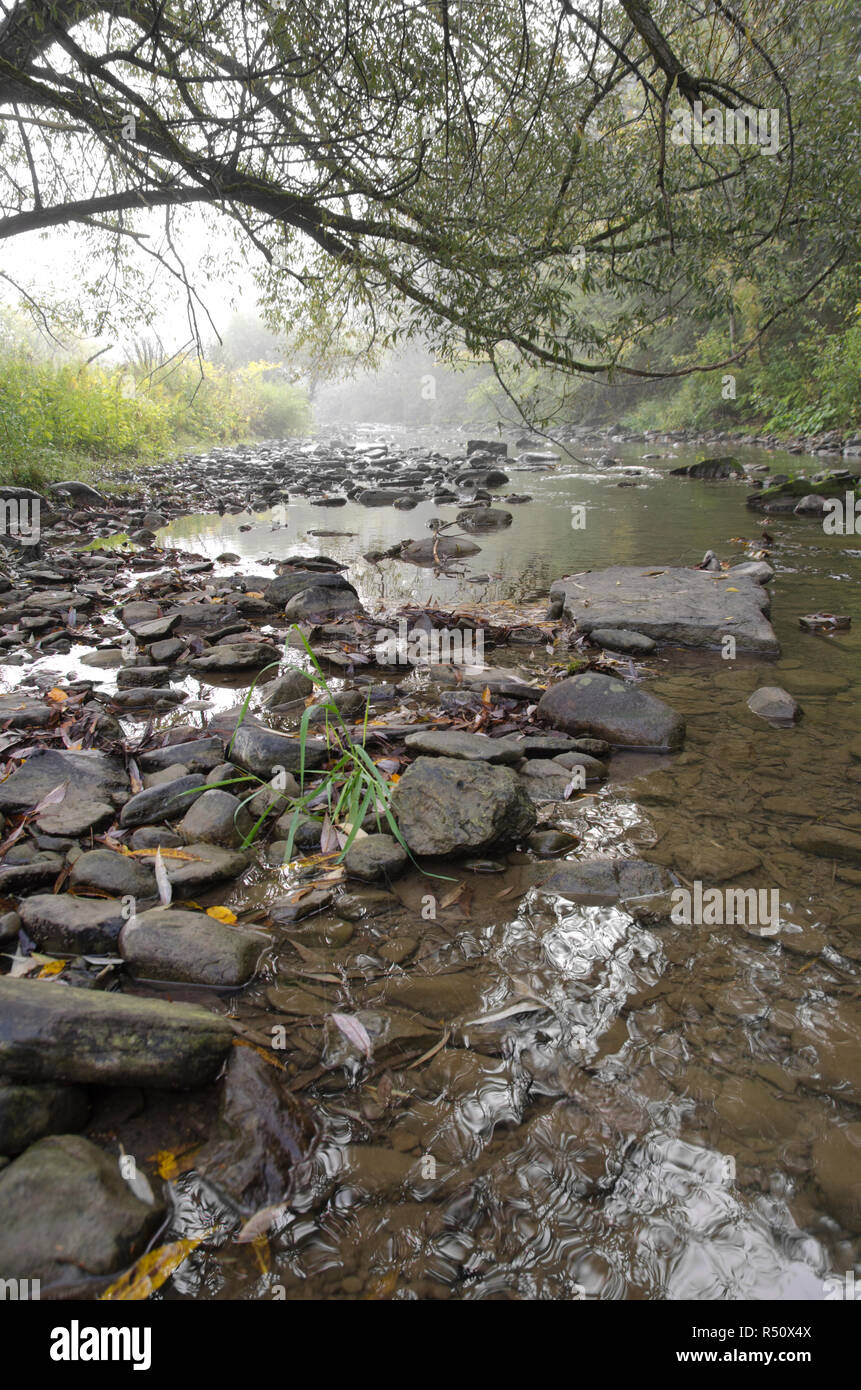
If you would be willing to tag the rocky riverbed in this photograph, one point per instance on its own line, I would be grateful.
(450, 1042)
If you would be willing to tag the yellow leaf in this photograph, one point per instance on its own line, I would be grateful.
(254, 593)
(732, 591)
(57, 695)
(52, 968)
(151, 1271)
(222, 914)
(169, 1166)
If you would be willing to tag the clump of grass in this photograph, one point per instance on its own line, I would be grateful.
(351, 786)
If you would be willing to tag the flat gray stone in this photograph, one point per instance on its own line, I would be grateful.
(216, 818)
(63, 923)
(91, 776)
(164, 802)
(189, 947)
(686, 606)
(205, 865)
(52, 1033)
(74, 817)
(456, 743)
(114, 873)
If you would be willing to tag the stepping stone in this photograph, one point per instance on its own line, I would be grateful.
(687, 606)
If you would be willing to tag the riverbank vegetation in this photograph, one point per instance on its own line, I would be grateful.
(60, 413)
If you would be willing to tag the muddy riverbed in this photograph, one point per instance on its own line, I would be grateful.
(456, 1081)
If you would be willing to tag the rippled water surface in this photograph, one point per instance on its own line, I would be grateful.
(674, 1111)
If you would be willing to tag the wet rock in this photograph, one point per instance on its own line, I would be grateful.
(163, 802)
(68, 1213)
(48, 1033)
(262, 750)
(74, 817)
(710, 469)
(235, 658)
(147, 697)
(24, 713)
(156, 630)
(167, 651)
(772, 703)
(136, 676)
(261, 1134)
(113, 873)
(593, 769)
(448, 806)
(453, 743)
(294, 906)
(171, 944)
(29, 1113)
(289, 686)
(305, 830)
(606, 880)
(368, 904)
(434, 550)
(320, 603)
(829, 842)
(375, 857)
(94, 777)
(716, 863)
(275, 796)
(280, 590)
(484, 519)
(198, 755)
(165, 775)
(543, 745)
(36, 872)
(10, 925)
(63, 923)
(495, 679)
(105, 658)
(622, 640)
(443, 997)
(836, 1161)
(550, 843)
(155, 837)
(216, 818)
(614, 710)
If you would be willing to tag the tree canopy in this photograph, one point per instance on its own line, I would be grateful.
(501, 175)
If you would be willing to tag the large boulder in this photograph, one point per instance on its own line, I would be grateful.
(448, 806)
(51, 1033)
(68, 1213)
(611, 709)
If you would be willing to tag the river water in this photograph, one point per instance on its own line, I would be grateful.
(679, 1119)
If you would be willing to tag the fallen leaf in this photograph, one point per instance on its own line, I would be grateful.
(165, 890)
(354, 1031)
(222, 914)
(57, 696)
(258, 1224)
(151, 1271)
